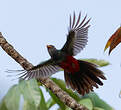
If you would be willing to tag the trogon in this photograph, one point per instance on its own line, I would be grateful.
(79, 75)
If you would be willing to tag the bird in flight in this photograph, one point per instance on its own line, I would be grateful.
(79, 75)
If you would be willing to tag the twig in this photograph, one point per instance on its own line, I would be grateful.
(63, 96)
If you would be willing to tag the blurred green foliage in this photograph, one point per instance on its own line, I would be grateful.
(34, 99)
(100, 63)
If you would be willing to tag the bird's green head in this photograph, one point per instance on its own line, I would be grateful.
(52, 50)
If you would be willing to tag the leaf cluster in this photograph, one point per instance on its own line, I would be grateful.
(34, 99)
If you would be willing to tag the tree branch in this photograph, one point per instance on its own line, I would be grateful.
(63, 96)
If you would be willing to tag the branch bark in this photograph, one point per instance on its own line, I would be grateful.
(63, 96)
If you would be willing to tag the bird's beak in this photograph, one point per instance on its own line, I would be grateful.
(49, 46)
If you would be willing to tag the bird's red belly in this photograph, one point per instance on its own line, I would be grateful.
(70, 64)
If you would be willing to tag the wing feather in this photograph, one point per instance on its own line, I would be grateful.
(44, 69)
(74, 17)
(77, 37)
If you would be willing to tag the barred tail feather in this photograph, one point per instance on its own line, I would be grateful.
(83, 81)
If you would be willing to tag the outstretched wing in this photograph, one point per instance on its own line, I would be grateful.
(43, 69)
(77, 36)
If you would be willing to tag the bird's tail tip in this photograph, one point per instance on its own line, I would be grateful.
(83, 81)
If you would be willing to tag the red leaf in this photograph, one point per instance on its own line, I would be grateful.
(114, 40)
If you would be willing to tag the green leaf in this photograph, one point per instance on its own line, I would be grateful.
(50, 103)
(42, 105)
(57, 100)
(67, 108)
(87, 103)
(97, 108)
(3, 106)
(100, 63)
(11, 100)
(97, 102)
(30, 91)
(62, 85)
(28, 106)
(33, 96)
